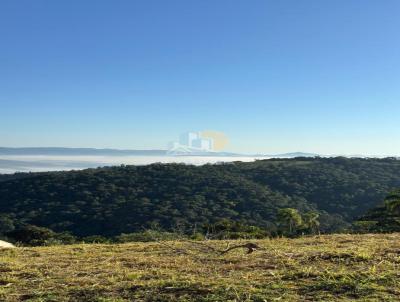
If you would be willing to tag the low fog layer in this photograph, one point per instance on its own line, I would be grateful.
(40, 163)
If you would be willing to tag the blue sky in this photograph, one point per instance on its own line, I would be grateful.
(275, 76)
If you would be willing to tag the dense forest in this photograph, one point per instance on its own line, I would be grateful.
(127, 199)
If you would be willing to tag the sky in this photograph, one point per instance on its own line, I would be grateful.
(274, 76)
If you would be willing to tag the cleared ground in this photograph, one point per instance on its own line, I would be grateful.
(322, 268)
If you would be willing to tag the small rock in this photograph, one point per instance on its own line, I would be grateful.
(6, 245)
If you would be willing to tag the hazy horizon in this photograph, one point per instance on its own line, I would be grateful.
(227, 152)
(13, 163)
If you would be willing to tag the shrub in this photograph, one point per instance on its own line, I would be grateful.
(148, 236)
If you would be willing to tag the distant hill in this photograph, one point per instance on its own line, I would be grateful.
(293, 155)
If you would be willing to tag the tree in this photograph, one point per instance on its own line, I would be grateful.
(311, 222)
(6, 224)
(32, 235)
(290, 219)
(380, 219)
(392, 202)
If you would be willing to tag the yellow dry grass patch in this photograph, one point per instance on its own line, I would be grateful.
(321, 268)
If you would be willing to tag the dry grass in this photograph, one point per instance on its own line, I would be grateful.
(325, 268)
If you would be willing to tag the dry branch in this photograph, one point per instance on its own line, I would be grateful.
(251, 247)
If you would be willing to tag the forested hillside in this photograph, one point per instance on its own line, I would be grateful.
(115, 200)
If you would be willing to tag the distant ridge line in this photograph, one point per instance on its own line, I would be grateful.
(123, 152)
(76, 151)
